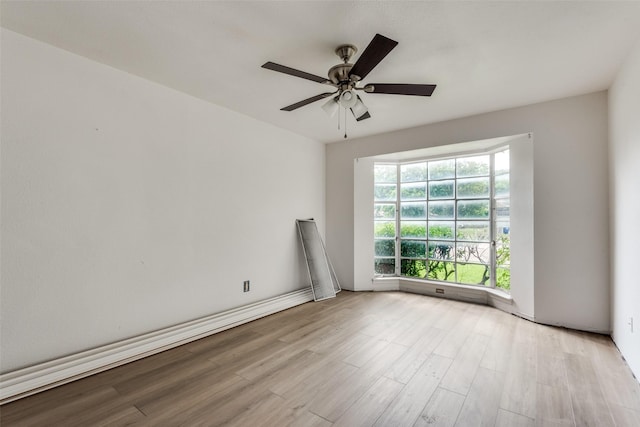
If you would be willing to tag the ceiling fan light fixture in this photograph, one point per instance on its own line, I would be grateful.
(331, 107)
(348, 98)
(359, 110)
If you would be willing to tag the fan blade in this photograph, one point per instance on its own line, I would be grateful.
(293, 72)
(400, 89)
(375, 52)
(306, 101)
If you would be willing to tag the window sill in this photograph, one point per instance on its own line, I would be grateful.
(469, 293)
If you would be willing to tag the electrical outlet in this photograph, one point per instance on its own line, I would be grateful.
(246, 287)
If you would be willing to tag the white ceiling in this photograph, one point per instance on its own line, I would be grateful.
(484, 56)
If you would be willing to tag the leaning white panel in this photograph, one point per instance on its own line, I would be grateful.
(324, 282)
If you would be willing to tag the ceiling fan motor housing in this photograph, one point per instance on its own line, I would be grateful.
(339, 74)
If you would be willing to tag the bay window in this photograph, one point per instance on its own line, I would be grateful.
(444, 219)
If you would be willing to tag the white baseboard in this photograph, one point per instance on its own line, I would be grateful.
(24, 382)
(386, 284)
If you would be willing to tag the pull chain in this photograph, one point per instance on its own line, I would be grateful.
(345, 123)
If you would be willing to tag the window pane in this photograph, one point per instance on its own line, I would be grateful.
(473, 252)
(502, 209)
(385, 247)
(501, 162)
(503, 251)
(502, 185)
(441, 250)
(441, 270)
(473, 230)
(385, 266)
(503, 278)
(413, 268)
(385, 173)
(413, 229)
(413, 249)
(413, 191)
(384, 229)
(441, 210)
(384, 211)
(441, 230)
(502, 228)
(442, 169)
(385, 192)
(473, 209)
(413, 172)
(441, 190)
(416, 210)
(473, 188)
(472, 166)
(473, 274)
(503, 243)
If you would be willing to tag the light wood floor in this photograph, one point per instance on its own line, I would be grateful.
(362, 359)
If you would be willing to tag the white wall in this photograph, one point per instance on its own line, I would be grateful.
(128, 207)
(624, 151)
(570, 192)
(363, 243)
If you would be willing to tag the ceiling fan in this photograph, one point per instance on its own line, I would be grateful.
(346, 78)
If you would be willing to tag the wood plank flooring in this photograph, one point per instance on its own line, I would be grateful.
(362, 359)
